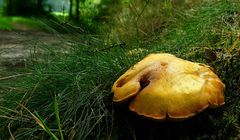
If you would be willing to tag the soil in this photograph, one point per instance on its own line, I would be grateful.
(16, 46)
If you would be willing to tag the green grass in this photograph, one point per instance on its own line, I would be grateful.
(82, 79)
(19, 23)
(51, 25)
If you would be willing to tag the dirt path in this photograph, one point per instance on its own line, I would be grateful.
(15, 46)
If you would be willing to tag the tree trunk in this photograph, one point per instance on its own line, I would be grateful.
(77, 9)
(39, 5)
(9, 7)
(70, 8)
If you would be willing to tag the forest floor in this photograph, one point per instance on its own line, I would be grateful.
(68, 91)
(16, 46)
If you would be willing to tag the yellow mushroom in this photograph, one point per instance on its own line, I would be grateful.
(162, 86)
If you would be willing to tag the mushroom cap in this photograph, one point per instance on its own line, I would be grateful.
(162, 86)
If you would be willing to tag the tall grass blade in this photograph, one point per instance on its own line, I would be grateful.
(40, 122)
(57, 116)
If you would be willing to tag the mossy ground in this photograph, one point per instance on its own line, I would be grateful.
(19, 23)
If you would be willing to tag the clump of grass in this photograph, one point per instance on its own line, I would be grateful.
(144, 20)
(82, 79)
(208, 27)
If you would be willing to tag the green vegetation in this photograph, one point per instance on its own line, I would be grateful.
(19, 23)
(72, 90)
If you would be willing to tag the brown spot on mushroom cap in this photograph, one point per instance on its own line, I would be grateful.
(162, 86)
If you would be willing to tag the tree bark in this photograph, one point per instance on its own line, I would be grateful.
(9, 7)
(70, 8)
(77, 9)
(39, 5)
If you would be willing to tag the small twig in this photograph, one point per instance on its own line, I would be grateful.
(112, 46)
(144, 7)
(73, 26)
(140, 14)
(234, 45)
(14, 76)
(7, 117)
(122, 45)
(10, 132)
